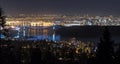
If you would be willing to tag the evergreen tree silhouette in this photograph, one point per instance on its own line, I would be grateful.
(2, 23)
(2, 18)
(49, 57)
(105, 48)
(117, 58)
(36, 56)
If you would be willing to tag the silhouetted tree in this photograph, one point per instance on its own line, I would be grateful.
(117, 56)
(19, 55)
(105, 48)
(83, 58)
(2, 23)
(36, 56)
(7, 56)
(71, 56)
(2, 18)
(49, 57)
(91, 59)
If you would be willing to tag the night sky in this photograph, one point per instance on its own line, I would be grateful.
(91, 7)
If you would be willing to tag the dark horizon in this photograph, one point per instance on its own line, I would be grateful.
(90, 7)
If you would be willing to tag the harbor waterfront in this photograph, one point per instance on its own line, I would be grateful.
(59, 31)
(71, 48)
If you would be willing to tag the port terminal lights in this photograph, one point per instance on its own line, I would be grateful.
(54, 34)
(18, 34)
(24, 29)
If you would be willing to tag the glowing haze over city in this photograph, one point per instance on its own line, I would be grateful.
(82, 7)
(60, 31)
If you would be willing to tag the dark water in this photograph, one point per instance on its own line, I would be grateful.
(88, 33)
(60, 33)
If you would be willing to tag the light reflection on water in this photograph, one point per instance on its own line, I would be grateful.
(38, 33)
(45, 34)
(33, 33)
(44, 37)
(84, 33)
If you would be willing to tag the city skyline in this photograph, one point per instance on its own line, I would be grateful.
(90, 7)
